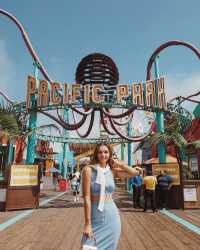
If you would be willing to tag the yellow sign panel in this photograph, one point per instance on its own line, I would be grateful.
(24, 175)
(172, 169)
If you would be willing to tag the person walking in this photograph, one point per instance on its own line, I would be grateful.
(137, 190)
(102, 219)
(75, 186)
(164, 183)
(149, 184)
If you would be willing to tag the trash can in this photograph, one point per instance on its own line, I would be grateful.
(67, 185)
(62, 185)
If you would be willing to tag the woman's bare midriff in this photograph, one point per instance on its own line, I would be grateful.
(95, 198)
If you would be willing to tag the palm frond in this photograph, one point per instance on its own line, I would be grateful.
(195, 144)
(9, 123)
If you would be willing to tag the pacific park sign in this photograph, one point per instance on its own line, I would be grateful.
(150, 94)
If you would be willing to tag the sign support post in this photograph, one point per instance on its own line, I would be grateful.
(32, 125)
(129, 128)
(11, 151)
(122, 151)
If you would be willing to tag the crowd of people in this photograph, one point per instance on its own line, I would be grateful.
(150, 189)
(146, 189)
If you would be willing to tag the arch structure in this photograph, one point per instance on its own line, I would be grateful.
(162, 47)
(94, 68)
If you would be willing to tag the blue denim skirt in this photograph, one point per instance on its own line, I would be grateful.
(106, 226)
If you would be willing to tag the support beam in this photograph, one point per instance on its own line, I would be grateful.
(122, 151)
(32, 125)
(65, 146)
(159, 120)
(10, 152)
(129, 132)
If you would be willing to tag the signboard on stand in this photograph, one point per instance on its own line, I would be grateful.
(24, 175)
(23, 187)
(190, 194)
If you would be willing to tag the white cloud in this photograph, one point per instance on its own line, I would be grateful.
(183, 85)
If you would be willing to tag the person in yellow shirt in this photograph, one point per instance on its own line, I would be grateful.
(149, 186)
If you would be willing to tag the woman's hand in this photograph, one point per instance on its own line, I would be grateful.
(87, 231)
(115, 163)
(139, 169)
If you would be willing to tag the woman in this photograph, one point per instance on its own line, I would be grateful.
(102, 218)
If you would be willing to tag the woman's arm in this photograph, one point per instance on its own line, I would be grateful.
(122, 170)
(86, 179)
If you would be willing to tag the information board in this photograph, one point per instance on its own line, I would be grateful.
(172, 169)
(190, 194)
(24, 175)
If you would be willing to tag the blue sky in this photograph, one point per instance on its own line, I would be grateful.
(62, 32)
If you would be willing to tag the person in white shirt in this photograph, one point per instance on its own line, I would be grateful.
(75, 186)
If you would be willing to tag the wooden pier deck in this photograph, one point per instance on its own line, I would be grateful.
(58, 226)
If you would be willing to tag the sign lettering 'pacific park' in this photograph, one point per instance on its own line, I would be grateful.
(150, 94)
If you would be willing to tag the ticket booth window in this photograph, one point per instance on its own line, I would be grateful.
(193, 166)
(3, 159)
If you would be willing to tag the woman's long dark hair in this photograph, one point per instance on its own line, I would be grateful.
(95, 155)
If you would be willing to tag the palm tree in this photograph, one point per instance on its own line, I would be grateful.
(173, 135)
(10, 124)
(192, 148)
(13, 126)
(194, 144)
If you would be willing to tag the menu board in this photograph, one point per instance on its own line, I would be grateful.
(23, 175)
(172, 170)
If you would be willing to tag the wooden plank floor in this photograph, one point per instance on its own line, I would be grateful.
(58, 226)
(191, 215)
